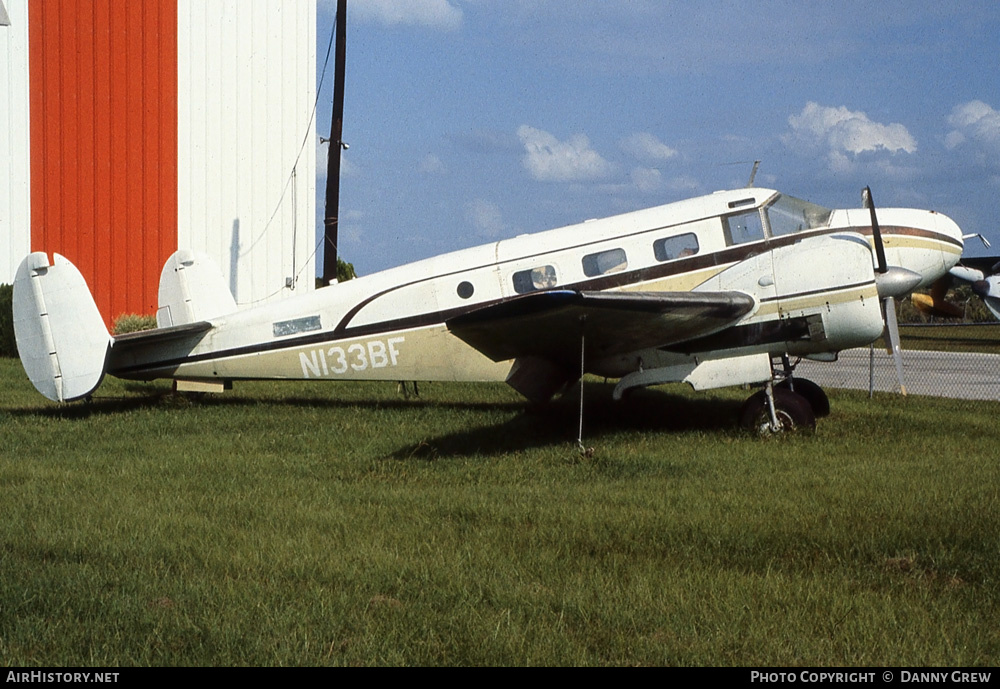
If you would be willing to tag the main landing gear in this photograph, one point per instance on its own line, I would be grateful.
(785, 404)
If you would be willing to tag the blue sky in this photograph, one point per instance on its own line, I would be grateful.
(474, 120)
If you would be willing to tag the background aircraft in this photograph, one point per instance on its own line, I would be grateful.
(983, 276)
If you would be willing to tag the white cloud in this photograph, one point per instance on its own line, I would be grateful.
(431, 164)
(321, 160)
(435, 14)
(647, 146)
(884, 168)
(486, 217)
(551, 160)
(840, 162)
(647, 179)
(974, 121)
(347, 169)
(350, 228)
(683, 183)
(841, 131)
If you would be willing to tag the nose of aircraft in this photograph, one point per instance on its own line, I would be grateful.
(949, 228)
(952, 240)
(926, 242)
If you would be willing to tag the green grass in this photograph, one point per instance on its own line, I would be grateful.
(952, 338)
(298, 524)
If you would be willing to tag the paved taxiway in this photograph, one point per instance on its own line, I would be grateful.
(937, 374)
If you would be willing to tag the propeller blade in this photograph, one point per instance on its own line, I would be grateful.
(891, 286)
(868, 202)
(981, 288)
(935, 304)
(965, 273)
(940, 288)
(941, 309)
(988, 290)
(892, 339)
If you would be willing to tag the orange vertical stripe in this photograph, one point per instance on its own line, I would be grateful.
(104, 142)
(83, 84)
(118, 64)
(102, 284)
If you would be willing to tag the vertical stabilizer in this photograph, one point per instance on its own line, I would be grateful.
(192, 289)
(60, 334)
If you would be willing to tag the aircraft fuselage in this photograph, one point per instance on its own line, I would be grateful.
(809, 270)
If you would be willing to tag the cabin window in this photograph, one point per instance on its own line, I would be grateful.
(542, 277)
(669, 248)
(787, 215)
(465, 289)
(744, 227)
(604, 262)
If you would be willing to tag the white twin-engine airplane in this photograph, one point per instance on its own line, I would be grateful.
(721, 290)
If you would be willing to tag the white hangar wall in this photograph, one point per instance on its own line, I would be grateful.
(246, 141)
(246, 154)
(15, 154)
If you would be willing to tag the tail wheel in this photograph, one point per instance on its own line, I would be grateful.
(813, 393)
(791, 409)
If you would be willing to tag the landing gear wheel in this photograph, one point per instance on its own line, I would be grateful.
(791, 409)
(813, 393)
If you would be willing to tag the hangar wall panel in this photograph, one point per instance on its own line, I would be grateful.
(103, 85)
(247, 154)
(15, 229)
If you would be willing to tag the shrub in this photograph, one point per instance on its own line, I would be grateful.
(345, 270)
(8, 347)
(133, 322)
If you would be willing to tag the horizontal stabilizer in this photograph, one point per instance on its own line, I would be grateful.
(159, 335)
(60, 334)
(133, 349)
(550, 324)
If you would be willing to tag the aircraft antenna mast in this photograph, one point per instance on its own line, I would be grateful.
(332, 214)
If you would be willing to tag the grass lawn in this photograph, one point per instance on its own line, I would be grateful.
(339, 524)
(976, 337)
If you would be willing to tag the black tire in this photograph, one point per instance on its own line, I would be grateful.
(813, 393)
(792, 409)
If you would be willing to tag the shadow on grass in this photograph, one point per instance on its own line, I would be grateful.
(152, 397)
(558, 423)
(527, 426)
(96, 406)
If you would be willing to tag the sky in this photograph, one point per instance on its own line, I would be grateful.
(470, 121)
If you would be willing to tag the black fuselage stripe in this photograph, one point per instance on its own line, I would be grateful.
(410, 323)
(809, 293)
(660, 271)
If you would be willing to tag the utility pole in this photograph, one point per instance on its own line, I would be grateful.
(332, 215)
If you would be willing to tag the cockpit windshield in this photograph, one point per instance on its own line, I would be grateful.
(787, 214)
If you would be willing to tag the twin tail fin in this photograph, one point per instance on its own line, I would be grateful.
(61, 337)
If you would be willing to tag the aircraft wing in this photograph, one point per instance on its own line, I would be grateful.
(549, 324)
